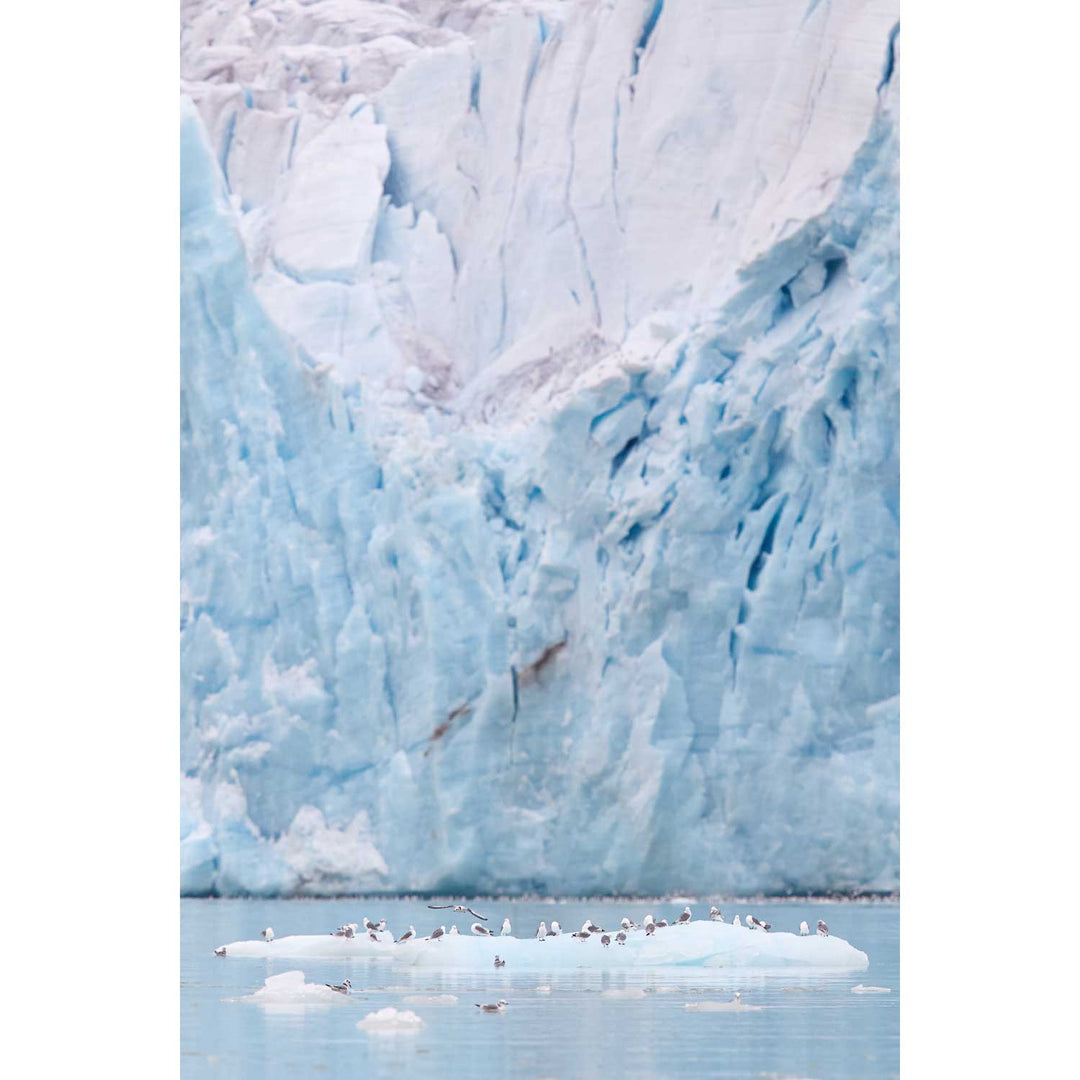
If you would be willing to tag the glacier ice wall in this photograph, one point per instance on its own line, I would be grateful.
(539, 466)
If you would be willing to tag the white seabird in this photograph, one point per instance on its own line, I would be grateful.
(649, 920)
(454, 929)
(437, 933)
(499, 1006)
(822, 929)
(541, 931)
(650, 929)
(268, 933)
(803, 928)
(505, 931)
(369, 926)
(605, 940)
(592, 927)
(620, 937)
(481, 931)
(408, 935)
(626, 923)
(659, 923)
(684, 918)
(372, 936)
(581, 935)
(736, 921)
(341, 988)
(716, 914)
(220, 950)
(752, 922)
(555, 930)
(499, 963)
(459, 909)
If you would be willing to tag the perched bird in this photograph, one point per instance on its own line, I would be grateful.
(541, 931)
(766, 926)
(505, 931)
(372, 936)
(650, 929)
(437, 933)
(454, 929)
(407, 936)
(346, 931)
(369, 926)
(803, 928)
(605, 940)
(555, 930)
(341, 988)
(220, 950)
(684, 918)
(499, 963)
(268, 933)
(382, 926)
(660, 922)
(581, 935)
(620, 937)
(499, 1006)
(736, 921)
(459, 909)
(481, 931)
(822, 929)
(592, 927)
(626, 923)
(716, 914)
(752, 922)
(648, 921)
(737, 999)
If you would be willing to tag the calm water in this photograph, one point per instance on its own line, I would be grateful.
(810, 1026)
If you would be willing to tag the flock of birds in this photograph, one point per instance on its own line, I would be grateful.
(543, 931)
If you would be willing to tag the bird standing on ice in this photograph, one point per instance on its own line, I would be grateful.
(220, 950)
(499, 963)
(541, 931)
(505, 931)
(407, 936)
(268, 933)
(481, 931)
(650, 929)
(684, 918)
(592, 927)
(822, 929)
(627, 924)
(437, 933)
(620, 937)
(341, 988)
(499, 1006)
(453, 930)
(736, 921)
(555, 930)
(659, 923)
(716, 914)
(803, 928)
(649, 921)
(605, 940)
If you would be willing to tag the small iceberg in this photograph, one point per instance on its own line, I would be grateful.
(860, 989)
(289, 990)
(390, 1020)
(311, 947)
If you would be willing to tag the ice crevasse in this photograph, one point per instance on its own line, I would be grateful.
(539, 465)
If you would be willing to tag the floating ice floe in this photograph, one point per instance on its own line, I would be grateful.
(860, 989)
(289, 989)
(391, 1020)
(314, 946)
(700, 944)
(735, 1005)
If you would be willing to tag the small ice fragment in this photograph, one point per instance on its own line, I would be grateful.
(860, 989)
(630, 992)
(735, 1005)
(429, 999)
(391, 1019)
(543, 989)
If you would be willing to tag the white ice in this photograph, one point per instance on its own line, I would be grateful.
(699, 944)
(391, 1020)
(289, 989)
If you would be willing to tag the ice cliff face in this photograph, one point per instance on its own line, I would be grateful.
(539, 446)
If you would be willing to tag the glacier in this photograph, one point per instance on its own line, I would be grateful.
(539, 447)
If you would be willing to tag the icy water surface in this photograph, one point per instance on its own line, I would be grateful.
(809, 1025)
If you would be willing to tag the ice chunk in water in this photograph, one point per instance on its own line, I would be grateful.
(290, 989)
(391, 1020)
